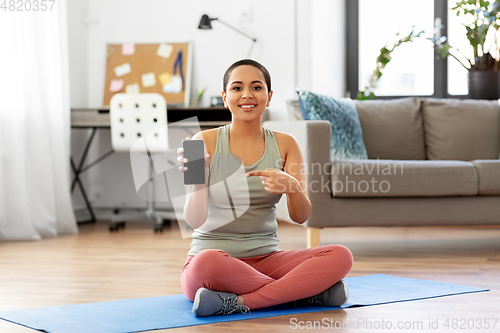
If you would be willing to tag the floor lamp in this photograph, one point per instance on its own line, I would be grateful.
(206, 24)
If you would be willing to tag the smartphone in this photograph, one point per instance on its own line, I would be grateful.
(194, 151)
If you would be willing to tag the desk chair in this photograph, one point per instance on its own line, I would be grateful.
(139, 126)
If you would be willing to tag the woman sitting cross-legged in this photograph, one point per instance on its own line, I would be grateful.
(235, 263)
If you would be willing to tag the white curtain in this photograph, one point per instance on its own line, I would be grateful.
(35, 199)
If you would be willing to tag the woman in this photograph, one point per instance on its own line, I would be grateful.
(237, 266)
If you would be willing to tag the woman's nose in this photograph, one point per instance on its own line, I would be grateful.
(247, 93)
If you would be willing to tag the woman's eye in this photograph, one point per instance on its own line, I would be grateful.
(257, 88)
(236, 88)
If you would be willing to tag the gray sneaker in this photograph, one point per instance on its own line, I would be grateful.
(336, 295)
(209, 303)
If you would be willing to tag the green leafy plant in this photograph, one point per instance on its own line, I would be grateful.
(382, 60)
(482, 25)
(482, 29)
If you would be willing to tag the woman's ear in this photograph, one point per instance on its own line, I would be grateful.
(269, 96)
(224, 99)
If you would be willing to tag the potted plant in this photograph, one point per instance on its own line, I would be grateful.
(483, 60)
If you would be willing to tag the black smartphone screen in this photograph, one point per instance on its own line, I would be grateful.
(194, 151)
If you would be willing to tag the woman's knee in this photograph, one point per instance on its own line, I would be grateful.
(207, 263)
(201, 270)
(346, 256)
(210, 253)
(211, 256)
(342, 256)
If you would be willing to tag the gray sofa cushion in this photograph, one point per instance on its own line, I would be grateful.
(392, 129)
(389, 178)
(489, 176)
(461, 130)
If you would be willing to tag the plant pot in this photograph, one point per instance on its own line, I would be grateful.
(484, 84)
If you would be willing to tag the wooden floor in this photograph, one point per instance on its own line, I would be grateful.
(97, 266)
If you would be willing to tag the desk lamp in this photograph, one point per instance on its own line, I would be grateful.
(206, 24)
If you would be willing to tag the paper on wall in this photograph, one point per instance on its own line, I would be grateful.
(164, 50)
(116, 85)
(123, 69)
(132, 88)
(164, 78)
(148, 80)
(175, 86)
(128, 48)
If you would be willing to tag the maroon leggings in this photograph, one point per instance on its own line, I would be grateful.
(271, 279)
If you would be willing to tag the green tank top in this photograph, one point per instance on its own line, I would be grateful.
(241, 213)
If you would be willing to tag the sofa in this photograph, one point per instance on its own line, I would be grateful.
(430, 162)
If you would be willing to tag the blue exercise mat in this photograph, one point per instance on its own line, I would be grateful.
(144, 314)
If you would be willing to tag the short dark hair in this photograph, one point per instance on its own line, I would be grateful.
(246, 62)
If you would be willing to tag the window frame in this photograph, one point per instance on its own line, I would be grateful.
(352, 54)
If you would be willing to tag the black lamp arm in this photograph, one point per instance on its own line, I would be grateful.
(235, 29)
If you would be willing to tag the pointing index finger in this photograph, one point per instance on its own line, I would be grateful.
(257, 173)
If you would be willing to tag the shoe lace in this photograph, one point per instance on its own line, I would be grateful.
(230, 305)
(313, 300)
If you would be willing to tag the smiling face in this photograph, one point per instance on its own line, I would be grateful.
(246, 95)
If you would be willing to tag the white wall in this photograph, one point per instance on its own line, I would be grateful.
(320, 40)
(152, 21)
(77, 44)
(301, 43)
(328, 47)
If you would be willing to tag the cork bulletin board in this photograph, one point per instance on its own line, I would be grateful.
(163, 68)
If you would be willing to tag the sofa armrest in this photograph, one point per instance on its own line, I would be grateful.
(313, 137)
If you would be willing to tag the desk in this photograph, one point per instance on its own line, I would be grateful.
(99, 117)
(96, 118)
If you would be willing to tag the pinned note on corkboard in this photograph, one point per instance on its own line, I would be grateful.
(163, 68)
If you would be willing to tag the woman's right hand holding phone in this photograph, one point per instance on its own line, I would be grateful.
(197, 195)
(181, 158)
(182, 161)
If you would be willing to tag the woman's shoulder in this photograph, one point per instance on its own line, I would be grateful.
(209, 136)
(284, 139)
(287, 145)
(206, 134)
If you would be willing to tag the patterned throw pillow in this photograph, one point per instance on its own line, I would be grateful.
(347, 137)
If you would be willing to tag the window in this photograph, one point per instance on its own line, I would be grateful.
(410, 71)
(457, 74)
(415, 69)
